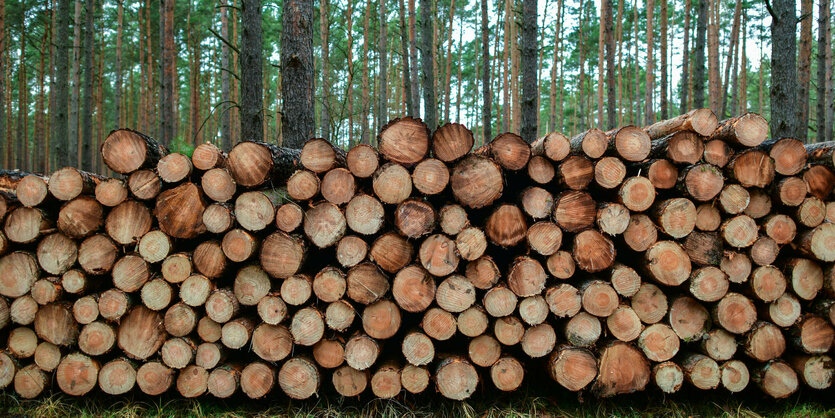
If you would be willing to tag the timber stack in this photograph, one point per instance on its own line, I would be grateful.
(693, 252)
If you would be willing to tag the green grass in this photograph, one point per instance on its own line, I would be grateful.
(485, 405)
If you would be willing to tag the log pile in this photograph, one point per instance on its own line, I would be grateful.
(690, 252)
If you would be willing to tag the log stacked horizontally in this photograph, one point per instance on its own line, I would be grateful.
(691, 252)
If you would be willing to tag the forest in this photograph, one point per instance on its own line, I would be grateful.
(283, 71)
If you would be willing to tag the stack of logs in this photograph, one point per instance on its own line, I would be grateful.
(691, 252)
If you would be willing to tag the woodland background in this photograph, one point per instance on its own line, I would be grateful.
(282, 71)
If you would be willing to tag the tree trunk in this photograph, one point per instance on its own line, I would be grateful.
(580, 113)
(804, 70)
(611, 99)
(783, 68)
(22, 140)
(742, 106)
(486, 79)
(324, 118)
(413, 61)
(74, 137)
(87, 152)
(60, 126)
(405, 59)
(225, 81)
(685, 84)
(349, 93)
(699, 59)
(3, 70)
(732, 49)
(166, 72)
(448, 72)
(252, 99)
(364, 134)
(649, 112)
(529, 83)
(663, 102)
(382, 89)
(427, 30)
(824, 79)
(552, 113)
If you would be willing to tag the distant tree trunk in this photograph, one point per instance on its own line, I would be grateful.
(783, 68)
(448, 72)
(364, 134)
(699, 55)
(166, 72)
(325, 120)
(382, 88)
(824, 81)
(619, 68)
(636, 85)
(601, 60)
(99, 163)
(40, 145)
(760, 89)
(118, 121)
(21, 151)
(427, 30)
(195, 114)
(225, 80)
(734, 80)
(743, 68)
(552, 111)
(460, 62)
(413, 60)
(732, 49)
(611, 99)
(3, 71)
(714, 80)
(650, 86)
(150, 111)
(75, 138)
(87, 151)
(349, 17)
(663, 102)
(579, 110)
(252, 99)
(530, 87)
(504, 69)
(516, 118)
(804, 69)
(60, 124)
(486, 111)
(404, 59)
(684, 87)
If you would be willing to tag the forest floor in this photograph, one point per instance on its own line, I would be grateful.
(526, 402)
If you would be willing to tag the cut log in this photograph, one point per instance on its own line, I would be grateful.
(303, 185)
(593, 143)
(609, 172)
(537, 202)
(30, 382)
(351, 250)
(507, 374)
(641, 233)
(255, 163)
(154, 378)
(350, 382)
(174, 167)
(289, 217)
(564, 300)
(682, 147)
(820, 181)
(735, 376)
(574, 210)
(125, 151)
(141, 333)
(541, 170)
(192, 381)
(224, 381)
(764, 342)
(700, 121)
(676, 217)
(818, 242)
(111, 192)
(688, 318)
(776, 378)
(599, 298)
(430, 176)
(456, 378)
(624, 324)
(708, 284)
(404, 140)
(438, 324)
(759, 204)
(281, 254)
(338, 186)
(509, 150)
(575, 172)
(483, 272)
(272, 309)
(361, 351)
(451, 142)
(668, 376)
(364, 214)
(544, 237)
(318, 155)
(413, 218)
(659, 342)
(701, 371)
(476, 181)
(573, 368)
(473, 321)
(31, 190)
(751, 168)
(630, 143)
(509, 330)
(623, 369)
(362, 160)
(77, 374)
(667, 263)
(555, 146)
(218, 185)
(735, 313)
(662, 174)
(272, 342)
(815, 371)
(499, 301)
(329, 353)
(80, 217)
(438, 256)
(484, 350)
(811, 213)
(380, 320)
(812, 334)
(392, 183)
(207, 156)
(747, 130)
(702, 182)
(144, 184)
(583, 330)
(717, 152)
(25, 225)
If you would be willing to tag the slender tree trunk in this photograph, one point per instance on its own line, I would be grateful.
(743, 68)
(601, 60)
(650, 86)
(516, 117)
(663, 103)
(580, 110)
(726, 80)
(166, 72)
(486, 79)
(225, 80)
(196, 113)
(252, 100)
(75, 138)
(427, 30)
(699, 55)
(349, 18)
(552, 111)
(783, 68)
(405, 60)
(619, 69)
(684, 87)
(97, 158)
(735, 80)
(540, 37)
(364, 134)
(40, 129)
(413, 60)
(4, 69)
(824, 79)
(529, 83)
(611, 99)
(804, 69)
(382, 88)
(448, 72)
(22, 144)
(714, 82)
(324, 14)
(118, 121)
(504, 69)
(760, 90)
(297, 69)
(88, 148)
(150, 111)
(459, 82)
(636, 85)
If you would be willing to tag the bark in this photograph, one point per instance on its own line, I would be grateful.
(684, 87)
(649, 112)
(225, 81)
(783, 68)
(324, 15)
(529, 84)
(448, 71)
(364, 134)
(552, 114)
(611, 100)
(663, 103)
(405, 59)
(699, 52)
(252, 99)
(804, 70)
(22, 139)
(167, 78)
(427, 29)
(730, 59)
(486, 79)
(74, 137)
(413, 61)
(824, 75)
